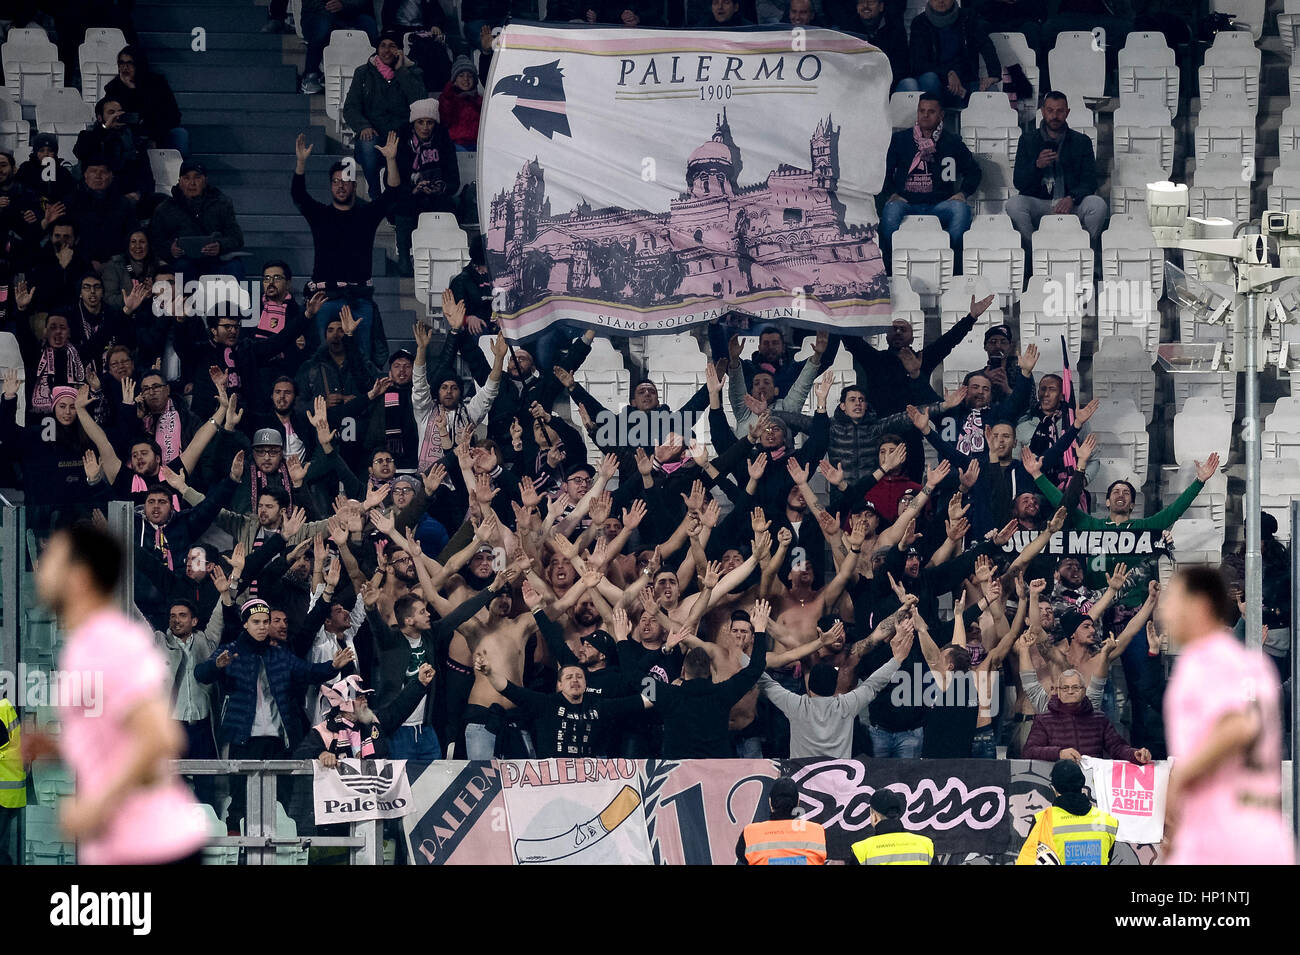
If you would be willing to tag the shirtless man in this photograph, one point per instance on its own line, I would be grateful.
(503, 647)
(800, 606)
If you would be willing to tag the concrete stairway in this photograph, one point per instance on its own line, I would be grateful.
(239, 100)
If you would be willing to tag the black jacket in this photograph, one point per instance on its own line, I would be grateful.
(1074, 161)
(210, 214)
(924, 48)
(902, 149)
(696, 713)
(395, 651)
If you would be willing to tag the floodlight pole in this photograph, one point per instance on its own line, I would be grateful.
(1251, 445)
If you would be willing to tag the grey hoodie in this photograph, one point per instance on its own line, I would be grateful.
(823, 725)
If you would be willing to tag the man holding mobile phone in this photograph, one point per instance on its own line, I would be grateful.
(1055, 174)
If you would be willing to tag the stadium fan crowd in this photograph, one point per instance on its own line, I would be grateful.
(310, 501)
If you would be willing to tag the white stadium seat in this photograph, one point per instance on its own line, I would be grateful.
(1113, 319)
(1284, 192)
(1226, 75)
(1228, 126)
(1202, 427)
(439, 250)
(1281, 436)
(62, 111)
(1146, 65)
(954, 304)
(1288, 24)
(902, 108)
(989, 126)
(1121, 417)
(967, 356)
(1279, 480)
(1142, 125)
(991, 249)
(1078, 55)
(165, 164)
(1128, 184)
(97, 58)
(922, 253)
(995, 186)
(1121, 368)
(31, 63)
(1013, 48)
(1197, 541)
(1046, 311)
(346, 50)
(1288, 133)
(1061, 247)
(1129, 254)
(15, 132)
(1248, 19)
(1222, 187)
(1212, 501)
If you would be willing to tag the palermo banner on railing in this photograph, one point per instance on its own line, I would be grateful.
(642, 181)
(691, 812)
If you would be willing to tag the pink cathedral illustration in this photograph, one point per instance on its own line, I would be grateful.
(719, 239)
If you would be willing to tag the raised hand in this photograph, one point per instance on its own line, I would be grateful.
(90, 464)
(823, 388)
(1037, 586)
(968, 477)
(622, 624)
(759, 615)
(293, 522)
(297, 470)
(920, 419)
(302, 149)
(452, 310)
(1087, 448)
(934, 475)
(1057, 523)
(893, 458)
(1001, 537)
(381, 522)
(237, 467)
(952, 399)
(978, 308)
(634, 515)
(758, 520)
(1118, 578)
(798, 472)
(1207, 470)
(1032, 462)
(834, 475)
(1028, 359)
(1086, 412)
(172, 479)
(757, 466)
(389, 149)
(829, 523)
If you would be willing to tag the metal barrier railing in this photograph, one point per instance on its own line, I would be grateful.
(260, 841)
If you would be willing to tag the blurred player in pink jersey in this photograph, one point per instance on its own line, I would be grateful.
(117, 737)
(1224, 728)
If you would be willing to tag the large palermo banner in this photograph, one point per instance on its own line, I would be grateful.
(643, 181)
(692, 812)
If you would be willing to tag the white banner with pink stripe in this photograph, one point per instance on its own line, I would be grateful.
(643, 181)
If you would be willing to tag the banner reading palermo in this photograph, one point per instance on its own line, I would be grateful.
(643, 181)
(360, 790)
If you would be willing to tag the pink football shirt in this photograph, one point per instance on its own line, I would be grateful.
(1225, 819)
(119, 668)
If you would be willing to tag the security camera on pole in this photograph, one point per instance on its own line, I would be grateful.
(1249, 258)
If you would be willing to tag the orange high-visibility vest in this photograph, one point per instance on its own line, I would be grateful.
(785, 842)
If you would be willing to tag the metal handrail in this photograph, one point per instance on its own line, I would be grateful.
(364, 844)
